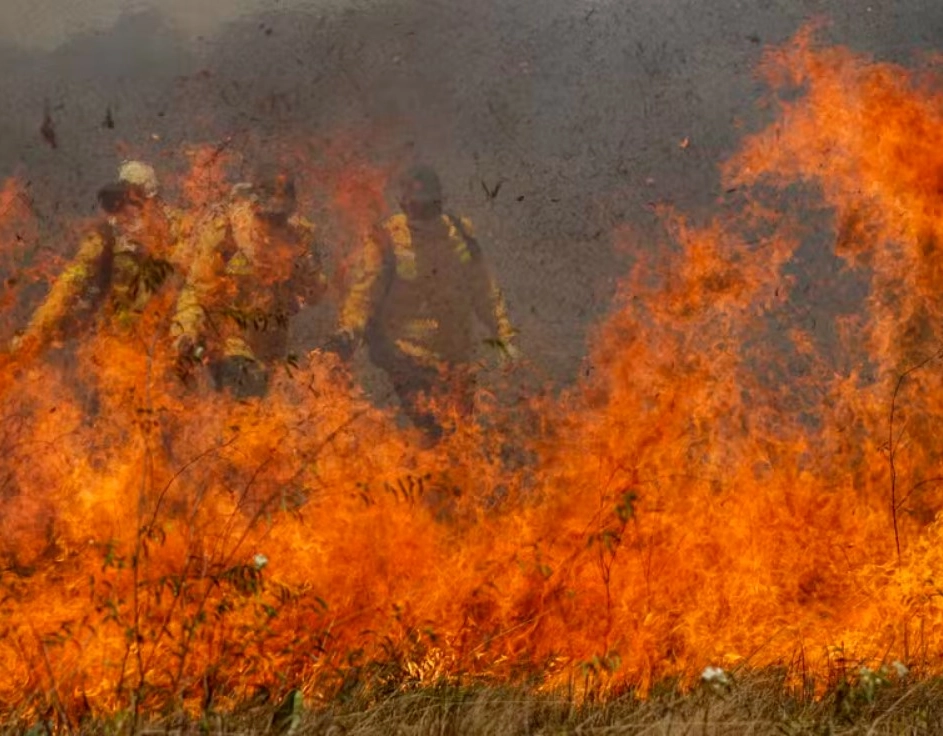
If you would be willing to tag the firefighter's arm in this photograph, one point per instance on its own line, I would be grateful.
(309, 268)
(190, 312)
(490, 305)
(181, 227)
(65, 290)
(504, 329)
(496, 310)
(359, 301)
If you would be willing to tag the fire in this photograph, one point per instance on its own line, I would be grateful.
(693, 503)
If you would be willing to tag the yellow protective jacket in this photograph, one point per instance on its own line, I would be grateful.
(247, 280)
(114, 273)
(419, 287)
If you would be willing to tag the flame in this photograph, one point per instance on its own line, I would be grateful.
(693, 502)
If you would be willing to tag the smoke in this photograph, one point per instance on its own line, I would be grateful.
(584, 113)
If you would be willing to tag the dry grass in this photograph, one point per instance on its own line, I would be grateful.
(758, 704)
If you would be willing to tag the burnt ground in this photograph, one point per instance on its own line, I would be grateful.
(576, 106)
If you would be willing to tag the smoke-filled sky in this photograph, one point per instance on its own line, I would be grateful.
(49, 23)
(578, 106)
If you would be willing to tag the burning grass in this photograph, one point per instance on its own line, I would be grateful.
(717, 493)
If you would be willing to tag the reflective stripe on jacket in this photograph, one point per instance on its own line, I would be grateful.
(245, 282)
(418, 287)
(113, 267)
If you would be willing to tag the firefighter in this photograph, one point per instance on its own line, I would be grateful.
(257, 264)
(421, 284)
(120, 264)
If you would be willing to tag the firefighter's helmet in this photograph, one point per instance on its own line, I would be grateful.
(421, 192)
(273, 190)
(139, 174)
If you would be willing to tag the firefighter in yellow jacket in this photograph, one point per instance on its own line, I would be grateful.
(120, 264)
(422, 283)
(257, 264)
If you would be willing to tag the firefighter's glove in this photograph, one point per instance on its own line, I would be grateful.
(190, 355)
(343, 344)
(511, 353)
(244, 377)
(24, 344)
(508, 353)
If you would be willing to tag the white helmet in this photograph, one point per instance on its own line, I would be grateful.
(140, 174)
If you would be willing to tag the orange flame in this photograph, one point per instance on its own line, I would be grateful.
(693, 503)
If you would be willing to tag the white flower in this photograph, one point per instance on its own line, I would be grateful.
(715, 676)
(900, 668)
(259, 561)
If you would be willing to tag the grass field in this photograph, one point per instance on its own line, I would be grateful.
(759, 703)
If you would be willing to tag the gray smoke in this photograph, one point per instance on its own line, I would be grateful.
(576, 107)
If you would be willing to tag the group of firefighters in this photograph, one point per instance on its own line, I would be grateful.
(236, 277)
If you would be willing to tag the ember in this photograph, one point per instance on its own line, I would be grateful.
(691, 509)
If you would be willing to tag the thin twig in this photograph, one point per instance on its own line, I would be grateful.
(892, 446)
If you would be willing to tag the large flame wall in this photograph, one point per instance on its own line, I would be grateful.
(693, 501)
